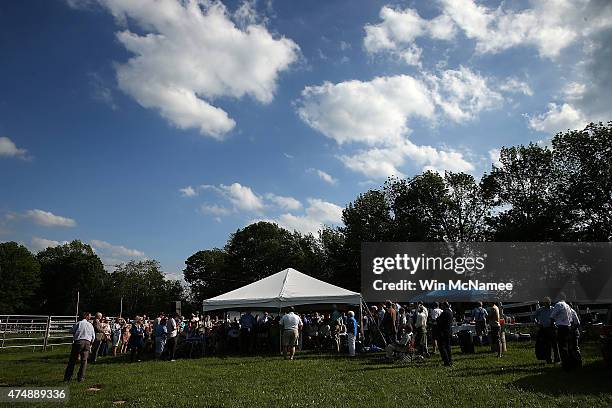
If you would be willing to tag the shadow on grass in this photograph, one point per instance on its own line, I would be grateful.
(592, 379)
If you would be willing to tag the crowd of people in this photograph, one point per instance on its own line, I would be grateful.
(388, 327)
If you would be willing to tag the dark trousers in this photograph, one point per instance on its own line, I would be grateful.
(550, 340)
(444, 344)
(171, 347)
(563, 333)
(79, 348)
(95, 349)
(419, 340)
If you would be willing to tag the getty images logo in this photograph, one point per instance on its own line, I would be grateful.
(413, 264)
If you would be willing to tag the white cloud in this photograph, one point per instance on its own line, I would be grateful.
(550, 26)
(400, 28)
(558, 118)
(242, 197)
(317, 214)
(515, 85)
(370, 112)
(378, 113)
(48, 219)
(39, 244)
(188, 54)
(116, 251)
(214, 209)
(494, 156)
(462, 94)
(286, 203)
(326, 177)
(8, 148)
(380, 163)
(188, 192)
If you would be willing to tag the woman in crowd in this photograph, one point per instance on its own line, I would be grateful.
(161, 332)
(125, 337)
(136, 342)
(116, 334)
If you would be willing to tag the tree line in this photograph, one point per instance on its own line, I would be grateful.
(560, 191)
(48, 282)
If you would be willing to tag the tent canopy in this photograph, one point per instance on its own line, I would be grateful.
(285, 288)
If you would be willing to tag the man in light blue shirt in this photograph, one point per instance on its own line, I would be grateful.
(547, 332)
(83, 337)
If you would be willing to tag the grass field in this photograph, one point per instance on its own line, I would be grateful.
(516, 380)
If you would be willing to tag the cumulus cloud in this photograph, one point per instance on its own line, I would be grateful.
(369, 112)
(188, 191)
(116, 251)
(9, 148)
(515, 85)
(188, 54)
(48, 219)
(39, 244)
(558, 118)
(242, 197)
(398, 30)
(317, 213)
(549, 26)
(284, 202)
(462, 94)
(383, 162)
(378, 114)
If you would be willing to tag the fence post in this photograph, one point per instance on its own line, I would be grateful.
(47, 332)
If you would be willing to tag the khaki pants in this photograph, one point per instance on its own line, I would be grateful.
(79, 348)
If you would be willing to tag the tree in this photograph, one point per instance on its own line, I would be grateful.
(67, 269)
(205, 273)
(525, 188)
(19, 279)
(144, 288)
(583, 159)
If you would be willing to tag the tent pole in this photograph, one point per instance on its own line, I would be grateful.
(280, 338)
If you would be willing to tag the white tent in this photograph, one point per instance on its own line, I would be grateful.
(285, 288)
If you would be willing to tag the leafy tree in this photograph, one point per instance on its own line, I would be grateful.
(583, 159)
(69, 268)
(205, 272)
(19, 278)
(525, 188)
(144, 288)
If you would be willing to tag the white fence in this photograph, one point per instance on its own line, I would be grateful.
(35, 331)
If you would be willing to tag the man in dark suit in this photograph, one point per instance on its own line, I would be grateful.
(444, 324)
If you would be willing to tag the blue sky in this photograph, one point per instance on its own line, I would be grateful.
(156, 128)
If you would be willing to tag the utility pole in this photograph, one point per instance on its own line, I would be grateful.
(77, 304)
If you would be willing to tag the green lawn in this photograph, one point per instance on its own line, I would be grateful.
(516, 380)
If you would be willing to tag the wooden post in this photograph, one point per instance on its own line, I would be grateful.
(47, 331)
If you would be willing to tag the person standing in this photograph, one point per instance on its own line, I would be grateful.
(574, 338)
(435, 313)
(247, 333)
(161, 333)
(421, 330)
(479, 315)
(389, 323)
(137, 334)
(546, 332)
(351, 332)
(172, 327)
(291, 325)
(444, 325)
(561, 315)
(494, 317)
(116, 334)
(83, 337)
(99, 331)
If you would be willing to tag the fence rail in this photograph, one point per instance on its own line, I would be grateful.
(35, 331)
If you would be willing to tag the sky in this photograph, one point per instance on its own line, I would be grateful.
(155, 128)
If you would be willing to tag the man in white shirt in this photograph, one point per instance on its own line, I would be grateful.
(291, 324)
(561, 315)
(435, 313)
(83, 337)
(172, 326)
(421, 329)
